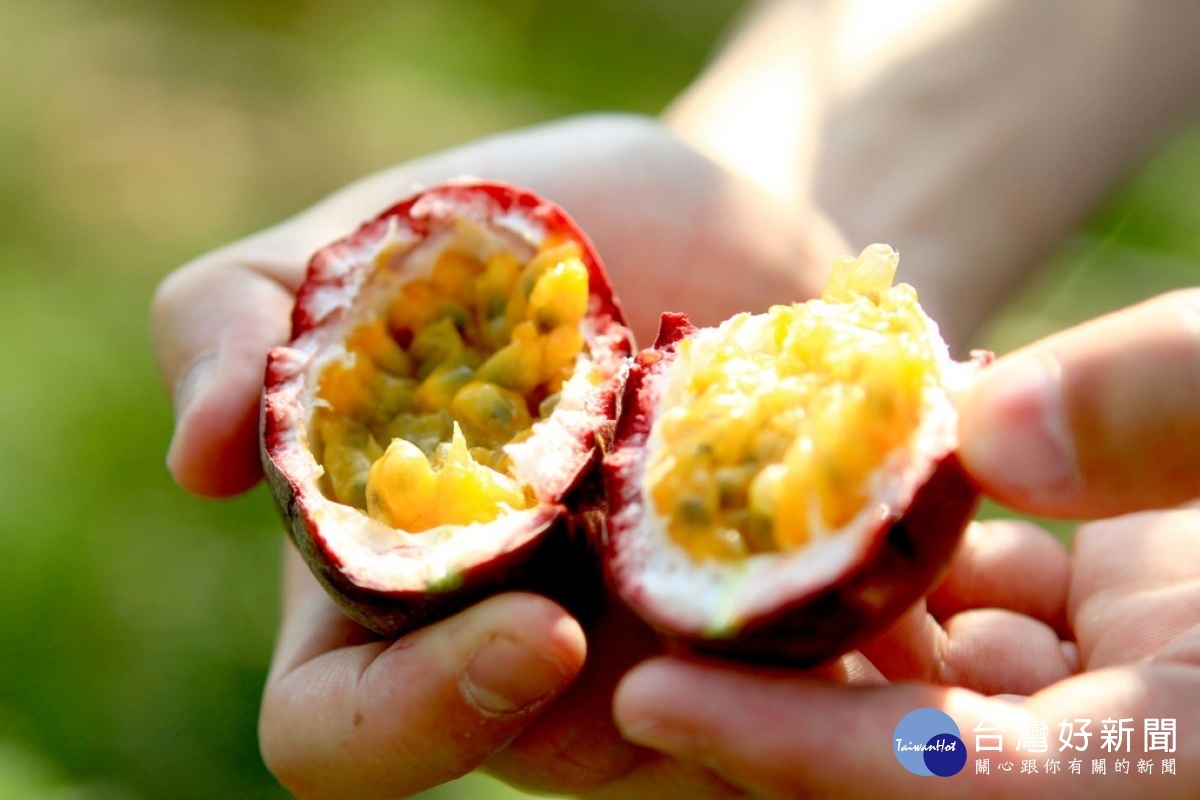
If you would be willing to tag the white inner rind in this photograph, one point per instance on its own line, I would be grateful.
(715, 596)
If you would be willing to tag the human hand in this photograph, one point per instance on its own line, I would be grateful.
(1127, 597)
(1097, 420)
(505, 683)
(1019, 631)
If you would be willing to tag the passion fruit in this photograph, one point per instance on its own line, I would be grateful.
(784, 485)
(432, 433)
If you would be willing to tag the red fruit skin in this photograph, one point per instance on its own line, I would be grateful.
(547, 549)
(906, 555)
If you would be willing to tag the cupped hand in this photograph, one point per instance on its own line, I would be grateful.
(511, 684)
(1019, 638)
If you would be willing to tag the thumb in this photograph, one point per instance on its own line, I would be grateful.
(1098, 420)
(211, 323)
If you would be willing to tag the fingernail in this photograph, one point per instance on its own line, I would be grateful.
(193, 383)
(505, 676)
(1017, 436)
(667, 736)
(658, 734)
(647, 711)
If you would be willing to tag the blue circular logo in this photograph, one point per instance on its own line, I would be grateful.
(927, 742)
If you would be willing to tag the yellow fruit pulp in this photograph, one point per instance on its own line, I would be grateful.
(411, 424)
(784, 417)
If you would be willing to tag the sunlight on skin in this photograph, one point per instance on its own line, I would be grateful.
(718, 728)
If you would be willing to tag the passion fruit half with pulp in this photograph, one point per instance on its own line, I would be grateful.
(433, 431)
(785, 484)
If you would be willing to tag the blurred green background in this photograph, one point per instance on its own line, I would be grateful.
(136, 621)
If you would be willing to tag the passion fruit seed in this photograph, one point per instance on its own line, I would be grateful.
(408, 491)
(493, 415)
(755, 456)
(349, 451)
(413, 421)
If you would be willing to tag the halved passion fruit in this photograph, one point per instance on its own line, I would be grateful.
(433, 431)
(785, 484)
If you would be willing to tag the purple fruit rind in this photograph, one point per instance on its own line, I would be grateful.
(549, 550)
(903, 558)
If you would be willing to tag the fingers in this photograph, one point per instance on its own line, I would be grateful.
(1095, 421)
(1136, 585)
(988, 650)
(1005, 592)
(212, 323)
(999, 652)
(1003, 607)
(574, 747)
(782, 736)
(374, 719)
(775, 735)
(1133, 598)
(1007, 564)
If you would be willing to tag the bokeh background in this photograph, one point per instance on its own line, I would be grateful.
(135, 621)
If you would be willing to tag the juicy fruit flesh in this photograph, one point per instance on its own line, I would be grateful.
(785, 417)
(411, 424)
